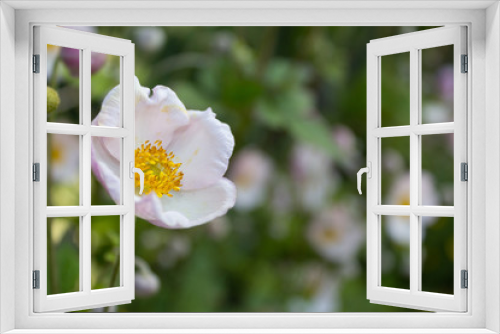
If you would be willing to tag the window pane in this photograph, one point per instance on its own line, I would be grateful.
(395, 178)
(63, 86)
(63, 170)
(395, 94)
(105, 77)
(63, 257)
(437, 254)
(437, 169)
(437, 84)
(106, 167)
(395, 251)
(105, 240)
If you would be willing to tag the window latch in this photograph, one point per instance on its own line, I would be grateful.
(134, 170)
(368, 171)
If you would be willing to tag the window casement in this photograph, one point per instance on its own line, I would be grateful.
(86, 133)
(414, 46)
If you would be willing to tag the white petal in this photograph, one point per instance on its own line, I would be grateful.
(187, 208)
(110, 114)
(157, 117)
(204, 148)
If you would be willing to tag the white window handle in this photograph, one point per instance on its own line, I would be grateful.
(141, 175)
(368, 171)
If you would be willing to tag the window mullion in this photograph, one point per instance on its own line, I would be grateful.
(414, 170)
(85, 245)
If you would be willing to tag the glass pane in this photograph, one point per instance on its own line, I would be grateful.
(105, 243)
(105, 80)
(437, 254)
(63, 170)
(395, 90)
(395, 179)
(437, 84)
(63, 86)
(395, 251)
(106, 166)
(63, 264)
(437, 169)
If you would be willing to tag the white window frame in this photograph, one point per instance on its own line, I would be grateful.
(483, 21)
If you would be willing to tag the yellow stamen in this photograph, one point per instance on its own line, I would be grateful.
(161, 174)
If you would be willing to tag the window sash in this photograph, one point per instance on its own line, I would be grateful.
(85, 298)
(413, 43)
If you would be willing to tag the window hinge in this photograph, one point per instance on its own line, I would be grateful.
(465, 279)
(465, 64)
(36, 172)
(36, 63)
(464, 172)
(36, 279)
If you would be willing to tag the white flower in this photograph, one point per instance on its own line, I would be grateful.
(314, 177)
(335, 235)
(251, 171)
(183, 154)
(147, 282)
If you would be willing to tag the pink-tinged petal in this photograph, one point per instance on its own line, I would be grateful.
(110, 113)
(203, 147)
(187, 208)
(157, 117)
(106, 168)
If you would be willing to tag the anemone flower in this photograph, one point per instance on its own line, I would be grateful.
(334, 234)
(251, 171)
(183, 154)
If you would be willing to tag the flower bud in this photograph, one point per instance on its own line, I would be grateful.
(71, 58)
(53, 100)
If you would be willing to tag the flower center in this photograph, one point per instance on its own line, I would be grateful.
(161, 174)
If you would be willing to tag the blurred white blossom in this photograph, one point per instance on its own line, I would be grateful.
(320, 291)
(436, 112)
(335, 234)
(314, 176)
(176, 248)
(345, 140)
(219, 228)
(150, 39)
(251, 172)
(147, 282)
(64, 158)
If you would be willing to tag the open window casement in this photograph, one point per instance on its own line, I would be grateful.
(49, 137)
(413, 137)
